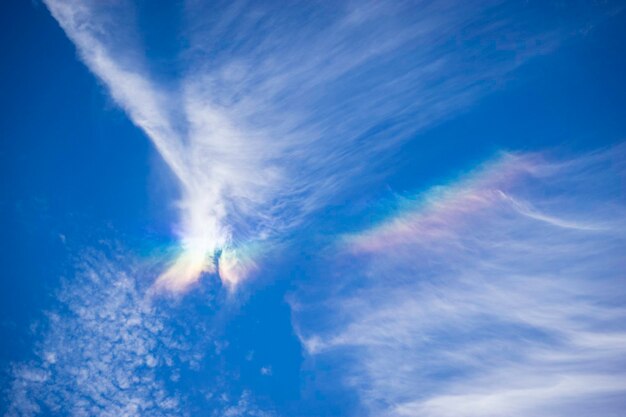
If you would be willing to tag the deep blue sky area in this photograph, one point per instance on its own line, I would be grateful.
(63, 143)
(573, 98)
(335, 316)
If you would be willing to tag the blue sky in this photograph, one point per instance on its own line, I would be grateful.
(369, 208)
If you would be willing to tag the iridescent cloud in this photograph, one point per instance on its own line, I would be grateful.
(262, 125)
(498, 294)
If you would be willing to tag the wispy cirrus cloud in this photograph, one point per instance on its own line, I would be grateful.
(275, 109)
(499, 294)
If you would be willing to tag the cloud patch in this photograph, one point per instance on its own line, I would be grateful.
(501, 293)
(105, 350)
(273, 111)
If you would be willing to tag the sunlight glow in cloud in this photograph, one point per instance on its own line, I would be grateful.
(253, 127)
(210, 159)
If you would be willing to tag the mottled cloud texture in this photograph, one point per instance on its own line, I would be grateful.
(268, 112)
(104, 351)
(108, 349)
(501, 293)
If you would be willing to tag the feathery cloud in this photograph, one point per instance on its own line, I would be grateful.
(500, 294)
(274, 110)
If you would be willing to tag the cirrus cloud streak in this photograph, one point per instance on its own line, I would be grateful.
(274, 111)
(499, 294)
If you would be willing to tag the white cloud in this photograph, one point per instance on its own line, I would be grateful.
(108, 348)
(501, 294)
(278, 109)
(245, 407)
(105, 350)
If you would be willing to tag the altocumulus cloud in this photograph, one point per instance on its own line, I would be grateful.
(274, 109)
(108, 348)
(498, 294)
(101, 350)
